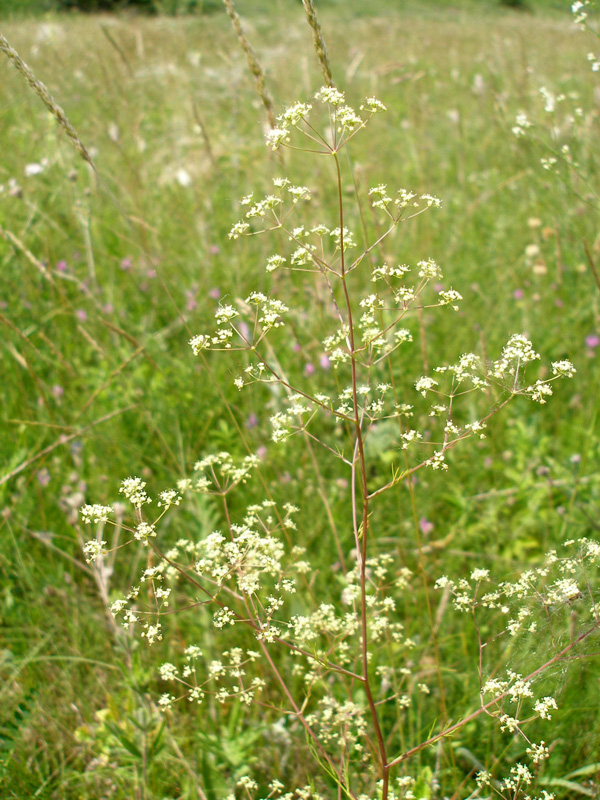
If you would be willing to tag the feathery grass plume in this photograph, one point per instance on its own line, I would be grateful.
(320, 47)
(45, 96)
(255, 68)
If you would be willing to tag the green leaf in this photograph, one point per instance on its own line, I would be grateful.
(422, 790)
(123, 740)
(583, 772)
(157, 743)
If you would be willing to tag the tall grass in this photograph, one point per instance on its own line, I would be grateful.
(83, 366)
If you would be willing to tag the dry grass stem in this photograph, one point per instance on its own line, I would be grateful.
(18, 244)
(45, 96)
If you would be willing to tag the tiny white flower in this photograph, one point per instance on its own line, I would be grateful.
(183, 177)
(564, 369)
(95, 513)
(429, 269)
(34, 169)
(277, 137)
(93, 550)
(425, 384)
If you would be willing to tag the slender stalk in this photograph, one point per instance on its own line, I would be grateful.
(446, 447)
(10, 238)
(321, 484)
(484, 708)
(364, 493)
(255, 622)
(302, 720)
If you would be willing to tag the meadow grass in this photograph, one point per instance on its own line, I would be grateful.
(137, 256)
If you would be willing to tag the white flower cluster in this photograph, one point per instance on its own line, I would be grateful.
(95, 513)
(134, 490)
(144, 531)
(437, 461)
(230, 670)
(425, 384)
(93, 549)
(539, 391)
(168, 498)
(429, 269)
(338, 355)
(384, 271)
(468, 367)
(449, 297)
(578, 9)
(344, 119)
(271, 310)
(594, 62)
(339, 234)
(268, 314)
(339, 724)
(219, 473)
(563, 369)
(285, 422)
(522, 124)
(380, 199)
(515, 354)
(275, 262)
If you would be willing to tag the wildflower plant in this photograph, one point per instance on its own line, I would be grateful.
(340, 667)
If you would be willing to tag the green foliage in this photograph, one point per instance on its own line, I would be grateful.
(258, 8)
(103, 5)
(77, 716)
(11, 728)
(172, 7)
(518, 4)
(167, 7)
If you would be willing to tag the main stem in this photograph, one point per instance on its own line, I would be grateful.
(362, 555)
(253, 617)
